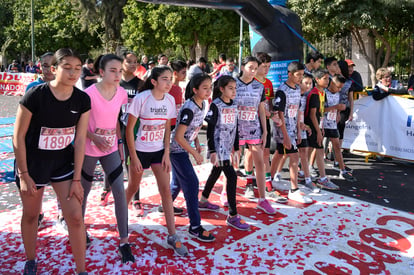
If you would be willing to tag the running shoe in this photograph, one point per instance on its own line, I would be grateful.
(249, 193)
(335, 166)
(40, 219)
(177, 211)
(223, 199)
(265, 206)
(175, 243)
(207, 206)
(138, 209)
(30, 268)
(327, 184)
(311, 186)
(277, 178)
(240, 174)
(201, 234)
(275, 195)
(125, 253)
(237, 223)
(301, 175)
(314, 173)
(347, 176)
(299, 196)
(105, 196)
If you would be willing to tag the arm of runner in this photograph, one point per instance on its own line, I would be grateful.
(23, 118)
(135, 164)
(166, 163)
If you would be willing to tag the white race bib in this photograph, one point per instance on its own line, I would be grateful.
(247, 113)
(331, 115)
(292, 111)
(108, 134)
(228, 116)
(152, 133)
(56, 138)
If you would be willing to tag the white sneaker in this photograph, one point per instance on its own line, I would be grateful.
(299, 196)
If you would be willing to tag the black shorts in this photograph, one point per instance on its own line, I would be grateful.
(148, 158)
(312, 140)
(304, 143)
(341, 124)
(331, 133)
(283, 151)
(44, 172)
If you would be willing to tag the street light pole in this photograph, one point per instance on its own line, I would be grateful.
(32, 23)
(241, 43)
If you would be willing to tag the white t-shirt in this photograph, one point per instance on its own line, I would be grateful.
(152, 115)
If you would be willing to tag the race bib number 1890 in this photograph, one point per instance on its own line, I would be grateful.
(56, 138)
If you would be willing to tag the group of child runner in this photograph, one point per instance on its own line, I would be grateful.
(62, 132)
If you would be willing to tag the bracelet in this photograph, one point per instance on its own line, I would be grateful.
(24, 172)
(120, 141)
(76, 180)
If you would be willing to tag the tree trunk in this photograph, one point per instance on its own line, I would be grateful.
(367, 51)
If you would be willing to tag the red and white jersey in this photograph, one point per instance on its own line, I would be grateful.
(152, 115)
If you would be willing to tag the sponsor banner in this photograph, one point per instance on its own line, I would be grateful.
(15, 83)
(385, 127)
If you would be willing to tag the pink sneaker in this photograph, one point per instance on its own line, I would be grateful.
(223, 199)
(266, 207)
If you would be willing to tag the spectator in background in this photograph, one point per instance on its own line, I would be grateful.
(229, 69)
(222, 63)
(31, 68)
(140, 71)
(151, 65)
(354, 76)
(88, 77)
(197, 68)
(411, 84)
(14, 67)
(386, 85)
(313, 62)
(46, 61)
(144, 62)
(162, 59)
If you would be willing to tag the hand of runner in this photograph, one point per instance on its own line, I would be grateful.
(101, 143)
(76, 190)
(136, 165)
(198, 158)
(27, 185)
(166, 163)
(319, 138)
(287, 143)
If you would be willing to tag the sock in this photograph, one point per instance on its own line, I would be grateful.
(294, 190)
(269, 186)
(323, 178)
(261, 199)
(249, 177)
(308, 180)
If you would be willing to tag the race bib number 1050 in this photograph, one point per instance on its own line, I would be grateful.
(56, 138)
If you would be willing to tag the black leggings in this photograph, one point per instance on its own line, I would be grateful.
(231, 176)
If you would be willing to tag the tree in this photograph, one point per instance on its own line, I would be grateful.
(106, 13)
(383, 19)
(56, 26)
(152, 29)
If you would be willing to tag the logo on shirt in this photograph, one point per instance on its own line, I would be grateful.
(185, 118)
(159, 111)
(74, 112)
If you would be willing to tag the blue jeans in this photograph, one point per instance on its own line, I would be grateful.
(185, 178)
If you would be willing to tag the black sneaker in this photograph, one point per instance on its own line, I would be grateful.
(335, 166)
(201, 234)
(126, 254)
(240, 174)
(40, 219)
(30, 268)
(177, 211)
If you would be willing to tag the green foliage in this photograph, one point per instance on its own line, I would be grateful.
(152, 29)
(56, 26)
